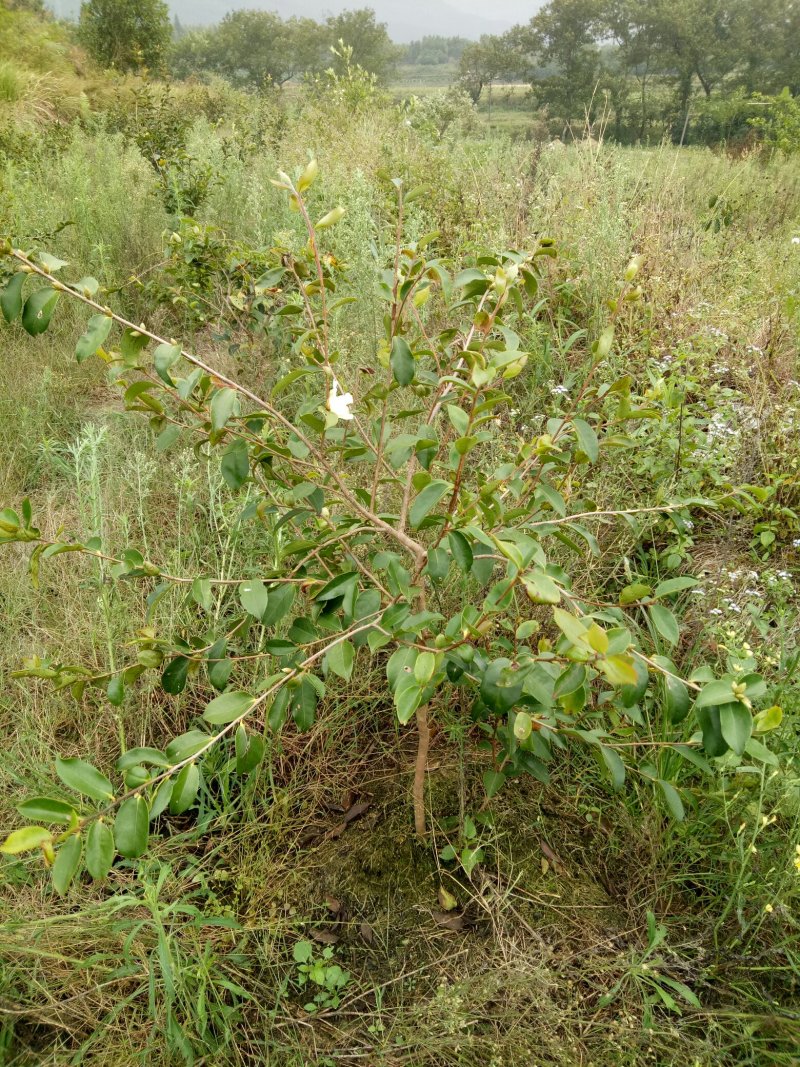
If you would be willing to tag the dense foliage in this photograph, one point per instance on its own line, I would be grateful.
(398, 580)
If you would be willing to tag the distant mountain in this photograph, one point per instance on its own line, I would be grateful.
(407, 20)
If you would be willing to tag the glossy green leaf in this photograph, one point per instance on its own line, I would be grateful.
(47, 810)
(224, 709)
(25, 840)
(254, 597)
(132, 827)
(402, 362)
(97, 330)
(736, 725)
(84, 778)
(175, 674)
(185, 789)
(340, 659)
(66, 865)
(222, 405)
(427, 500)
(11, 297)
(38, 311)
(665, 623)
(100, 850)
(235, 464)
(164, 357)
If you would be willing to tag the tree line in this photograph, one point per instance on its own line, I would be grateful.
(692, 69)
(642, 63)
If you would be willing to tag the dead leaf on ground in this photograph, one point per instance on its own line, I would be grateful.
(325, 937)
(355, 811)
(448, 921)
(551, 856)
(367, 933)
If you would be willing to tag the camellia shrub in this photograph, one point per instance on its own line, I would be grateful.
(377, 502)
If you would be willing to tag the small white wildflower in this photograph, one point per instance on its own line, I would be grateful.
(796, 542)
(339, 404)
(784, 574)
(715, 611)
(796, 240)
(559, 390)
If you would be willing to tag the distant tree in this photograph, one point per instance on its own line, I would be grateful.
(563, 35)
(434, 50)
(35, 7)
(126, 34)
(370, 41)
(257, 48)
(483, 62)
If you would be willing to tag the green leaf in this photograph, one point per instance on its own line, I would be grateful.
(173, 678)
(769, 719)
(67, 862)
(304, 704)
(51, 263)
(38, 311)
(493, 782)
(153, 757)
(616, 768)
(25, 840)
(587, 439)
(677, 698)
(226, 708)
(673, 799)
(222, 405)
(131, 345)
(281, 598)
(631, 593)
(340, 659)
(761, 752)
(100, 850)
(97, 330)
(407, 698)
(716, 693)
(402, 362)
(132, 827)
(619, 670)
(713, 741)
(115, 690)
(201, 594)
(84, 778)
(11, 297)
(164, 357)
(665, 623)
(48, 810)
(736, 724)
(571, 627)
(185, 789)
(462, 552)
(427, 500)
(254, 597)
(235, 464)
(459, 419)
(541, 588)
(674, 585)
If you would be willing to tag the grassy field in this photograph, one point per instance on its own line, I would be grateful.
(595, 929)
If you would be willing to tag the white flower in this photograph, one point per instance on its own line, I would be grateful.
(796, 240)
(339, 404)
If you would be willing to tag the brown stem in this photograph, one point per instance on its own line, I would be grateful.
(423, 744)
